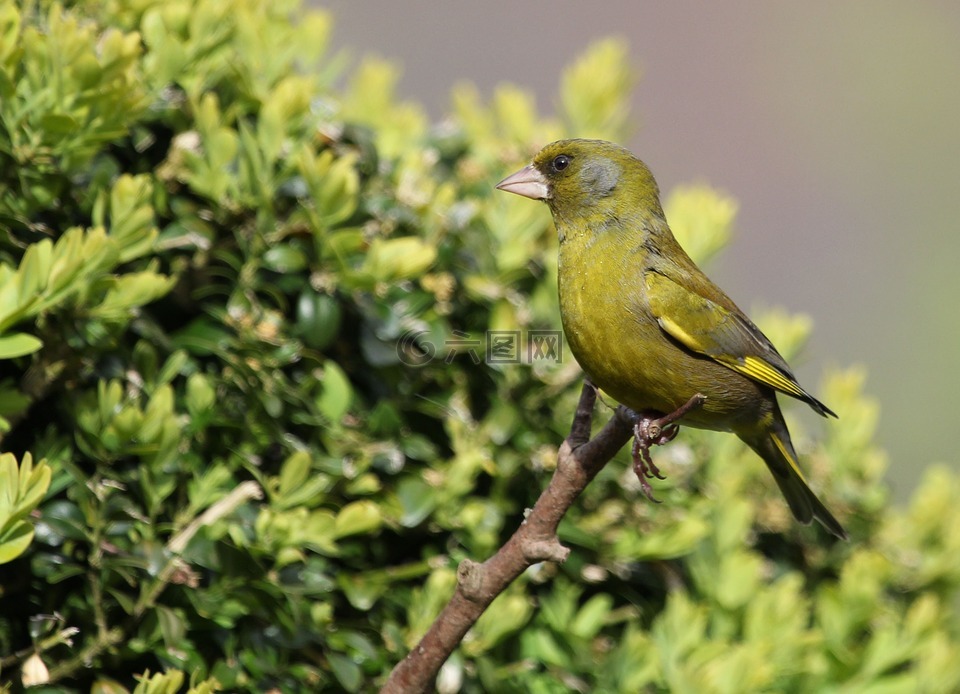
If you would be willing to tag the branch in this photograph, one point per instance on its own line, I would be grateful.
(578, 462)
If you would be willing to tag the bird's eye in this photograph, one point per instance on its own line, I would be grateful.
(561, 162)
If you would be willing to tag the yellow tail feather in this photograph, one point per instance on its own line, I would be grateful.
(774, 446)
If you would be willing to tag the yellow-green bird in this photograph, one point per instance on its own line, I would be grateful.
(644, 322)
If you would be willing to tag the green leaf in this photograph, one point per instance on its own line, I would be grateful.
(319, 532)
(21, 489)
(130, 291)
(172, 367)
(592, 616)
(595, 91)
(58, 123)
(542, 647)
(335, 399)
(417, 501)
(701, 219)
(201, 396)
(18, 345)
(64, 521)
(506, 615)
(202, 337)
(9, 30)
(34, 270)
(346, 671)
(12, 401)
(285, 258)
(104, 685)
(318, 318)
(14, 541)
(362, 591)
(394, 259)
(358, 517)
(168, 682)
(294, 472)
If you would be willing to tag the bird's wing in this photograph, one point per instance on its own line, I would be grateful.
(726, 336)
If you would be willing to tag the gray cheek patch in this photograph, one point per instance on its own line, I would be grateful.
(600, 178)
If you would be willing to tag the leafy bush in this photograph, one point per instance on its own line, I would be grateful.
(242, 307)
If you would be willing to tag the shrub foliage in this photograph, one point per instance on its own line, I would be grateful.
(253, 420)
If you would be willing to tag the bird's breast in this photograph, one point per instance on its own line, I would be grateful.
(621, 347)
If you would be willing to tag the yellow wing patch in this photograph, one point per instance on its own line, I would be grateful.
(759, 370)
(725, 335)
(679, 334)
(786, 456)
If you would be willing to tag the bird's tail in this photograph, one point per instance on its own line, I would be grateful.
(776, 449)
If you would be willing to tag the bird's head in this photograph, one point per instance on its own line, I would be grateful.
(588, 181)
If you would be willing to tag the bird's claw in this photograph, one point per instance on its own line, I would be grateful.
(656, 429)
(653, 431)
(643, 465)
(646, 433)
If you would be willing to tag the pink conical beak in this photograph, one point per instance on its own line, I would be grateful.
(527, 182)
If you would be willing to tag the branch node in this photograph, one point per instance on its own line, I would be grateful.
(544, 549)
(470, 577)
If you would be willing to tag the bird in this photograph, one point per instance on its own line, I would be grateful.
(649, 328)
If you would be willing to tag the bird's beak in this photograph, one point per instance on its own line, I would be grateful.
(527, 182)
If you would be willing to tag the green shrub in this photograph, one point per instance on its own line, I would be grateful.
(241, 310)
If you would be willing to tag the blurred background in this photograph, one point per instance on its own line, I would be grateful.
(835, 125)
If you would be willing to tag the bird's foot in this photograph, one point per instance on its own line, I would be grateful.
(643, 464)
(655, 429)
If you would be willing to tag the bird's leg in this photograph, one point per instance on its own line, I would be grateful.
(655, 429)
(642, 462)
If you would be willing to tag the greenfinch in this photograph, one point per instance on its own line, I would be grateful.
(646, 324)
